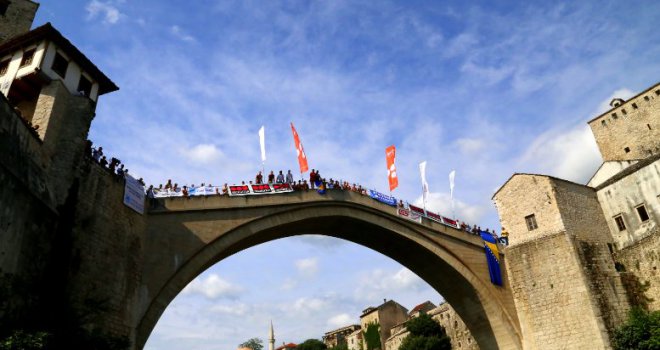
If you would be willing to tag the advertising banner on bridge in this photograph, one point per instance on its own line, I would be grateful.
(389, 200)
(164, 193)
(256, 189)
(204, 191)
(417, 210)
(134, 194)
(410, 215)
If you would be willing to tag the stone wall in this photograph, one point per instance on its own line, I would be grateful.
(25, 242)
(523, 195)
(639, 116)
(455, 327)
(18, 18)
(553, 298)
(107, 251)
(642, 261)
(580, 211)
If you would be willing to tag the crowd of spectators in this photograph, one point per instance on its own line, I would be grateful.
(115, 166)
(316, 182)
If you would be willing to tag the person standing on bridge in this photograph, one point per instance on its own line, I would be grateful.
(280, 178)
(259, 179)
(271, 177)
(289, 178)
(312, 179)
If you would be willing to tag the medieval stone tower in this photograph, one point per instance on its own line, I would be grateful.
(578, 253)
(16, 17)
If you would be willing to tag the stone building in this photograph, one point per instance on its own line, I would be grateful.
(354, 340)
(386, 315)
(338, 336)
(447, 317)
(565, 239)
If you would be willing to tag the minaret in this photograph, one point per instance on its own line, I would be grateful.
(271, 337)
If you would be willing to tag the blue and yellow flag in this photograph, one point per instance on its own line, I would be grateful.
(320, 187)
(492, 257)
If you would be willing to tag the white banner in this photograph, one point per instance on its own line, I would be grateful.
(425, 185)
(134, 194)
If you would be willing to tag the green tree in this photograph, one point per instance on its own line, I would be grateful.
(21, 340)
(312, 344)
(641, 331)
(425, 334)
(371, 336)
(254, 344)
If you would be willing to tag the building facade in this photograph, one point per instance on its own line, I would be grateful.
(386, 316)
(447, 317)
(339, 336)
(580, 255)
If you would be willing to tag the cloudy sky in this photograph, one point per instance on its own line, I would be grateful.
(486, 88)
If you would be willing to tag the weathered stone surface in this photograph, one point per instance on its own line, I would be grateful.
(631, 130)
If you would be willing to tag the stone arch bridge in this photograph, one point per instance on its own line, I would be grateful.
(185, 236)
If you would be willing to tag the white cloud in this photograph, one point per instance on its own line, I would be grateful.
(470, 146)
(440, 202)
(307, 305)
(307, 267)
(289, 284)
(341, 320)
(203, 153)
(233, 309)
(106, 10)
(622, 93)
(213, 287)
(180, 34)
(568, 154)
(378, 284)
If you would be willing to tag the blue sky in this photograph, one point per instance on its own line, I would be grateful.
(486, 88)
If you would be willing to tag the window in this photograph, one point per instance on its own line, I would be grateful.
(634, 105)
(614, 116)
(648, 126)
(603, 122)
(641, 211)
(4, 66)
(619, 222)
(627, 149)
(646, 98)
(60, 64)
(3, 6)
(531, 222)
(84, 86)
(657, 92)
(27, 58)
(624, 112)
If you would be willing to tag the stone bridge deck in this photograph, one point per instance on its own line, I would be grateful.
(185, 236)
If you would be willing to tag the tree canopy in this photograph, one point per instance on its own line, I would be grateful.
(425, 334)
(641, 331)
(254, 344)
(312, 344)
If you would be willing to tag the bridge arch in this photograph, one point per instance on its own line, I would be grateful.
(187, 238)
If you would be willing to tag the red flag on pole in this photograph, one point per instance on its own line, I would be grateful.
(390, 155)
(302, 158)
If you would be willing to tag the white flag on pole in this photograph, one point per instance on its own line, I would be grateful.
(425, 185)
(452, 174)
(262, 142)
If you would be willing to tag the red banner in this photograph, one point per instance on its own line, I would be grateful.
(417, 210)
(390, 155)
(302, 157)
